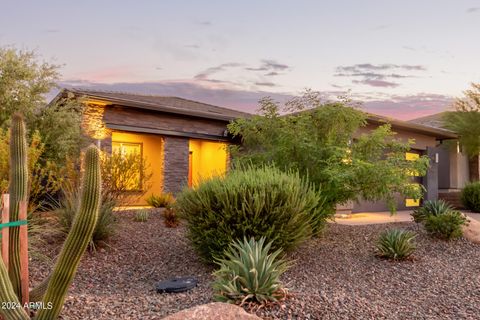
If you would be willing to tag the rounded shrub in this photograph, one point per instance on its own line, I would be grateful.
(446, 226)
(251, 202)
(471, 196)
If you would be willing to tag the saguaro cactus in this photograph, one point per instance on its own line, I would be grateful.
(74, 246)
(77, 239)
(18, 190)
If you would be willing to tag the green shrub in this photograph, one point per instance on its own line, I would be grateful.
(106, 223)
(251, 202)
(141, 216)
(396, 244)
(160, 201)
(471, 196)
(249, 273)
(446, 226)
(428, 208)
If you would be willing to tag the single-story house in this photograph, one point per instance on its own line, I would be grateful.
(455, 169)
(185, 141)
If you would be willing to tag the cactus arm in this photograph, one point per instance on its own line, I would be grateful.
(37, 293)
(77, 240)
(18, 190)
(7, 295)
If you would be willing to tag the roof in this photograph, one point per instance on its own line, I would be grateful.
(437, 132)
(433, 120)
(174, 105)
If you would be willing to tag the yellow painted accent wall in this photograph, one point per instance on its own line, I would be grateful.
(209, 159)
(152, 149)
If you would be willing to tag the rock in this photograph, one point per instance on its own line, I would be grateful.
(472, 231)
(213, 311)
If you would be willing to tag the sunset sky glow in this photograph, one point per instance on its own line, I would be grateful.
(404, 59)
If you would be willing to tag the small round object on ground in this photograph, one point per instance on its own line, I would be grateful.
(176, 285)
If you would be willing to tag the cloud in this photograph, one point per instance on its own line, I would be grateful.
(473, 10)
(204, 75)
(265, 84)
(406, 107)
(377, 75)
(377, 83)
(272, 74)
(269, 65)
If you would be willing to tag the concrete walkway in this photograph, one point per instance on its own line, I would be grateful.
(363, 218)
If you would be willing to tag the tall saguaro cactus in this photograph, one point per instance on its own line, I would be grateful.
(18, 190)
(75, 244)
(77, 239)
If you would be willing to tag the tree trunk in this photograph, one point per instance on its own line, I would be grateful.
(474, 168)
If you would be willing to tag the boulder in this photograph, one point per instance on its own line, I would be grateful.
(213, 311)
(472, 231)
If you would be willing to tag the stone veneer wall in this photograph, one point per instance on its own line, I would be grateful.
(176, 151)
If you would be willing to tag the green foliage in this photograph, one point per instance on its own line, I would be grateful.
(321, 140)
(396, 244)
(465, 119)
(59, 127)
(471, 196)
(249, 273)
(75, 243)
(160, 201)
(126, 176)
(251, 202)
(141, 216)
(24, 83)
(446, 226)
(435, 208)
(170, 217)
(68, 206)
(54, 137)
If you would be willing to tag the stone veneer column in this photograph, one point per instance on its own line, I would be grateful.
(175, 169)
(430, 181)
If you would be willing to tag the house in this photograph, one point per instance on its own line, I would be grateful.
(455, 169)
(185, 141)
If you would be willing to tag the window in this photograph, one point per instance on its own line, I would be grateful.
(127, 160)
(410, 156)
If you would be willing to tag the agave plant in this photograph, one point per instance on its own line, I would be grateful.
(431, 208)
(249, 273)
(396, 244)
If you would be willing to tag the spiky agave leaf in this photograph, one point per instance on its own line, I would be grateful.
(396, 244)
(249, 273)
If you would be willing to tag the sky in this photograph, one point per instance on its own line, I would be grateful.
(403, 59)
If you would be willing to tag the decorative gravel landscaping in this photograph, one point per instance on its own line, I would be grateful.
(334, 277)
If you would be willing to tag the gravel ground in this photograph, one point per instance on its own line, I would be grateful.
(334, 277)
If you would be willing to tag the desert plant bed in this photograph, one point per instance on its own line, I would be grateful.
(336, 276)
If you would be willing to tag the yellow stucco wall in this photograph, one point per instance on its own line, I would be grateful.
(152, 150)
(208, 158)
